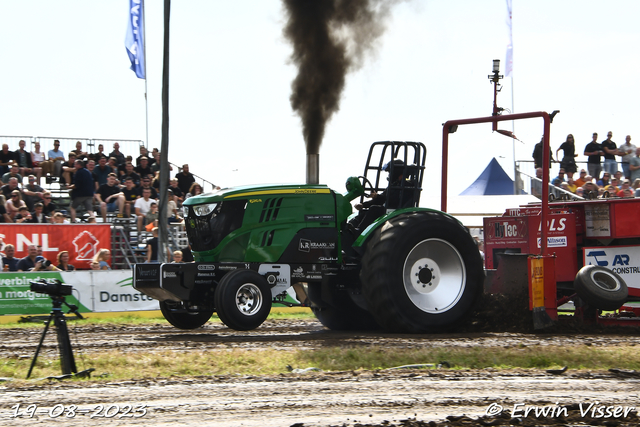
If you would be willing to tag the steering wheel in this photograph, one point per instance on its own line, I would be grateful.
(367, 186)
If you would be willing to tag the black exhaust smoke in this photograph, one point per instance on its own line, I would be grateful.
(330, 38)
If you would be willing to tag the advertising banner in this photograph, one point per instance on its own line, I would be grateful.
(82, 241)
(93, 291)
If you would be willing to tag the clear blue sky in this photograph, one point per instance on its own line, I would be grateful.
(65, 73)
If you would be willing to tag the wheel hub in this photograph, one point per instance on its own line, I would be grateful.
(434, 275)
(248, 299)
(425, 276)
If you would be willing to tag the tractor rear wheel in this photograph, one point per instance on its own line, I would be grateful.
(349, 317)
(182, 319)
(421, 272)
(600, 287)
(243, 299)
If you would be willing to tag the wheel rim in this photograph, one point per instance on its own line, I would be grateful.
(248, 299)
(434, 276)
(605, 280)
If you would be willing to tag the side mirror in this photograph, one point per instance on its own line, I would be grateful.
(354, 188)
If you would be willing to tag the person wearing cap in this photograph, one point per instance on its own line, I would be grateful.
(374, 208)
(145, 183)
(144, 169)
(23, 216)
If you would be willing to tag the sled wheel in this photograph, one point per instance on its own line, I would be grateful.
(600, 287)
(243, 299)
(180, 318)
(421, 272)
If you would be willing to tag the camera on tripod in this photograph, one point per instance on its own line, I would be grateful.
(55, 288)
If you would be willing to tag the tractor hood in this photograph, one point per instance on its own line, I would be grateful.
(250, 191)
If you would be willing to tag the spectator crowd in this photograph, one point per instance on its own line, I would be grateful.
(101, 182)
(602, 178)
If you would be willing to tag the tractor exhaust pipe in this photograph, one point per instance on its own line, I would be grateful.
(313, 169)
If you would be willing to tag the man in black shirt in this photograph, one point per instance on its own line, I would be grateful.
(185, 179)
(130, 195)
(610, 151)
(146, 184)
(129, 172)
(6, 158)
(144, 169)
(594, 152)
(110, 197)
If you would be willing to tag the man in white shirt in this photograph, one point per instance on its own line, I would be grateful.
(142, 206)
(57, 157)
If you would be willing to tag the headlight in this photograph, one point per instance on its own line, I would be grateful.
(203, 210)
(185, 211)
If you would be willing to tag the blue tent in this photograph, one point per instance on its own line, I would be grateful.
(493, 181)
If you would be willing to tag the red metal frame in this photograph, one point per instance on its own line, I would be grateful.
(550, 302)
(494, 120)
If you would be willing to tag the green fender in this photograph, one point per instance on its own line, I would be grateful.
(367, 232)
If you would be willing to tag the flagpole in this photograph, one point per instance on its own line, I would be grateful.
(144, 50)
(163, 236)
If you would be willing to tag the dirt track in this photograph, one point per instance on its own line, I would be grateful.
(390, 397)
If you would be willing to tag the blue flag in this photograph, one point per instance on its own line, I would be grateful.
(134, 40)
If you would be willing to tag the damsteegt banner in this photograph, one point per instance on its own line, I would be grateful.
(82, 241)
(93, 291)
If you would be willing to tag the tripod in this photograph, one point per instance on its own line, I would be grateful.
(67, 361)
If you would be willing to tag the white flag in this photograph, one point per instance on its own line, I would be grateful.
(509, 62)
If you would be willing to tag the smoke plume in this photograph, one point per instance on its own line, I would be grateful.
(330, 38)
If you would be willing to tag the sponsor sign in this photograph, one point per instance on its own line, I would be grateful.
(82, 241)
(93, 291)
(597, 220)
(555, 242)
(321, 218)
(308, 245)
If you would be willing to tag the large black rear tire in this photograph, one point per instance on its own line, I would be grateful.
(600, 287)
(347, 318)
(243, 299)
(181, 319)
(421, 272)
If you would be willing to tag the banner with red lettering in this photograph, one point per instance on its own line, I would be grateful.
(82, 241)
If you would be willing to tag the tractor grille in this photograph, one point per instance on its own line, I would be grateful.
(270, 209)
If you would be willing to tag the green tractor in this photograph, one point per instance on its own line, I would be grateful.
(393, 265)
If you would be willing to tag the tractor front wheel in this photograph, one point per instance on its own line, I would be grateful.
(243, 299)
(421, 272)
(179, 317)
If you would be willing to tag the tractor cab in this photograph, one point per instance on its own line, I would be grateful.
(395, 169)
